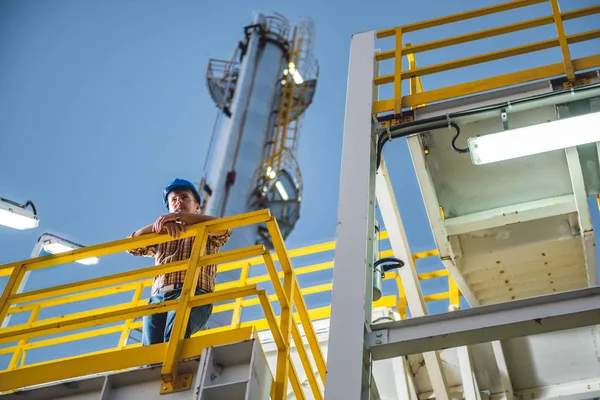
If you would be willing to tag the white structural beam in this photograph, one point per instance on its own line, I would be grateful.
(405, 383)
(470, 387)
(410, 281)
(543, 314)
(503, 369)
(585, 389)
(436, 220)
(585, 219)
(348, 299)
(513, 214)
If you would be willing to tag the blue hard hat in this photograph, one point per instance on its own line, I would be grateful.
(179, 184)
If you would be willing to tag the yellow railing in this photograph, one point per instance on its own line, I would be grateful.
(284, 331)
(243, 292)
(568, 66)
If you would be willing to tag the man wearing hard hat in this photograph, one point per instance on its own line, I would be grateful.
(182, 200)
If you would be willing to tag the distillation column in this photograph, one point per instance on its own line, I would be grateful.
(260, 94)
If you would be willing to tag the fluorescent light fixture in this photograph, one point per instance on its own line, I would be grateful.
(16, 216)
(56, 245)
(535, 139)
(282, 192)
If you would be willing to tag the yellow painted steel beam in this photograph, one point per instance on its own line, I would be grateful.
(277, 286)
(562, 38)
(436, 296)
(279, 246)
(13, 333)
(480, 59)
(286, 319)
(293, 253)
(398, 72)
(487, 57)
(468, 37)
(487, 33)
(79, 297)
(137, 296)
(91, 319)
(169, 369)
(118, 246)
(10, 289)
(459, 17)
(113, 360)
(427, 253)
(97, 283)
(73, 316)
(20, 351)
(296, 387)
(79, 336)
(482, 85)
(237, 311)
(454, 292)
(306, 365)
(581, 12)
(271, 319)
(133, 275)
(266, 278)
(309, 331)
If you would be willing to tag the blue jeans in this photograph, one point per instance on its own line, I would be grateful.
(157, 327)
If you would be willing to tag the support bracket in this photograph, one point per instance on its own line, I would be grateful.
(183, 381)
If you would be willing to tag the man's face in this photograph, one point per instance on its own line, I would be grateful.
(182, 200)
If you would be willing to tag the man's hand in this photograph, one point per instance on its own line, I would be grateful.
(159, 224)
(172, 229)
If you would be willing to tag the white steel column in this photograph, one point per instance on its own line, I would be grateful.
(410, 281)
(348, 303)
(436, 221)
(583, 211)
(469, 383)
(503, 369)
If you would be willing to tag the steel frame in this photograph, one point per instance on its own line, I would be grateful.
(284, 330)
(353, 342)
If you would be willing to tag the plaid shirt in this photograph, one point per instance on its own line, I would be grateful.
(178, 250)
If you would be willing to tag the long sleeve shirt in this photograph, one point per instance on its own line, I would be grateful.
(179, 250)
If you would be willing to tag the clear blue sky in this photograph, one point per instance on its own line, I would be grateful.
(104, 102)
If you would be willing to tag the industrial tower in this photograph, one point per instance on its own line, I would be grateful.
(261, 93)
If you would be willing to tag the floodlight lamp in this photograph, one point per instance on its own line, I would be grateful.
(17, 216)
(55, 245)
(535, 139)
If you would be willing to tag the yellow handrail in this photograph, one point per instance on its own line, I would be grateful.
(568, 67)
(135, 281)
(282, 329)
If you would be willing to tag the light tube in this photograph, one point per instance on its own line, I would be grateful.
(17, 217)
(535, 139)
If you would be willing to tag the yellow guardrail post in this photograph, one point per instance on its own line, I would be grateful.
(287, 309)
(237, 308)
(10, 290)
(562, 39)
(454, 294)
(20, 351)
(169, 369)
(137, 295)
(398, 73)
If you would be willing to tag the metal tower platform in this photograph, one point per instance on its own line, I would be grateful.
(515, 235)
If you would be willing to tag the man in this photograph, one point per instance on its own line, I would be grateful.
(182, 200)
